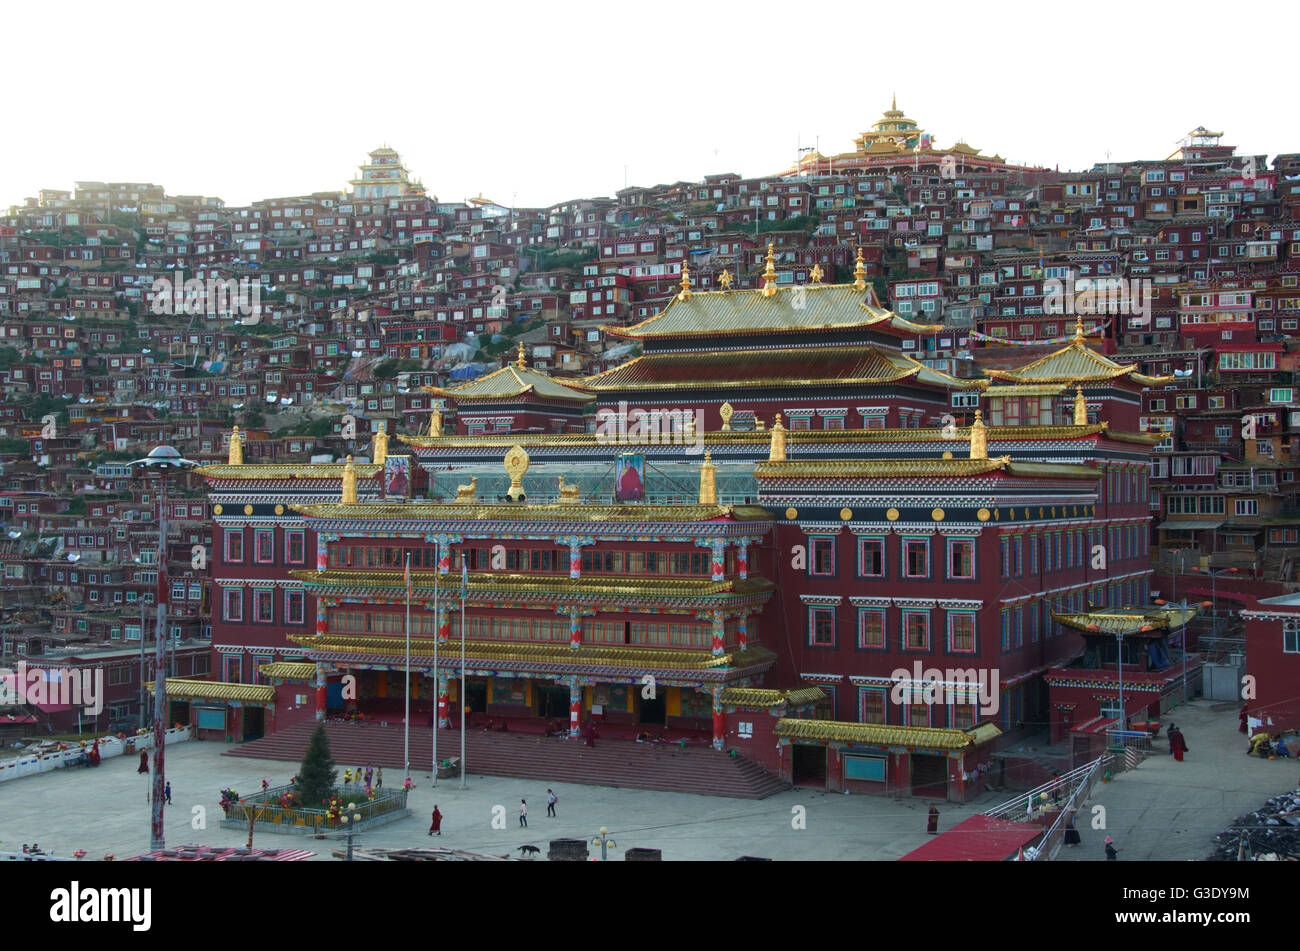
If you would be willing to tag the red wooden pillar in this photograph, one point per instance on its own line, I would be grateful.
(719, 722)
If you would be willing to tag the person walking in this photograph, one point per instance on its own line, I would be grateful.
(167, 792)
(1112, 853)
(379, 778)
(435, 827)
(1177, 743)
(523, 813)
(932, 822)
(1242, 717)
(144, 762)
(1071, 833)
(551, 800)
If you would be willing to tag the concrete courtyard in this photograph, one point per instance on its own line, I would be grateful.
(1162, 810)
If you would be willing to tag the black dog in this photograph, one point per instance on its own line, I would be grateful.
(529, 850)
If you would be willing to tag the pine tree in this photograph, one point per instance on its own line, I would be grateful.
(317, 775)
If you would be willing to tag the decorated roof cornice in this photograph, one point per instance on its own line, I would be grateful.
(245, 473)
(562, 517)
(876, 735)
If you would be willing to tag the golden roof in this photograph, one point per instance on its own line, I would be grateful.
(880, 468)
(873, 734)
(183, 689)
(559, 653)
(428, 511)
(1128, 620)
(794, 437)
(1073, 363)
(1040, 389)
(793, 366)
(766, 697)
(512, 380)
(539, 583)
(713, 313)
(330, 471)
(288, 670)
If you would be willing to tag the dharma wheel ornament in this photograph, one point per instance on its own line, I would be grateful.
(726, 412)
(516, 465)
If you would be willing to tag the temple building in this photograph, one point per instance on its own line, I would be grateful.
(384, 177)
(808, 558)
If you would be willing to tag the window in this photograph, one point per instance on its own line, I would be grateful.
(1291, 637)
(871, 557)
(916, 630)
(295, 546)
(821, 627)
(1245, 506)
(916, 558)
(233, 601)
(961, 558)
(263, 606)
(264, 545)
(235, 545)
(821, 559)
(873, 705)
(961, 632)
(294, 602)
(871, 628)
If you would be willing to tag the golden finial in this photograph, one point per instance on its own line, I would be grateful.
(381, 444)
(725, 279)
(349, 483)
(685, 281)
(516, 465)
(435, 422)
(777, 452)
(1078, 328)
(1080, 407)
(236, 449)
(708, 481)
(520, 361)
(726, 412)
(860, 272)
(979, 438)
(816, 274)
(769, 272)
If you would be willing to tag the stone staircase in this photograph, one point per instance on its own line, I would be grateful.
(668, 768)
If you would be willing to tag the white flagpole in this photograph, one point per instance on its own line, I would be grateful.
(437, 633)
(406, 729)
(464, 586)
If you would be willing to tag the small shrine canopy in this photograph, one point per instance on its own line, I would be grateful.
(512, 380)
(1131, 622)
(1075, 363)
(977, 838)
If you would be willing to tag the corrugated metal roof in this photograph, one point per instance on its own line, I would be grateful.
(873, 734)
(182, 689)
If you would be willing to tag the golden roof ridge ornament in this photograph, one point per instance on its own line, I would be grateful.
(777, 451)
(708, 481)
(380, 441)
(1080, 407)
(769, 272)
(520, 361)
(816, 274)
(725, 279)
(685, 292)
(979, 438)
(1078, 328)
(860, 272)
(726, 412)
(236, 457)
(516, 465)
(349, 484)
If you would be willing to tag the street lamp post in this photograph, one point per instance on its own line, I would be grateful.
(605, 843)
(1183, 605)
(163, 460)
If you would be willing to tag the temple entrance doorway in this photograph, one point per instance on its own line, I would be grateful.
(808, 766)
(929, 776)
(552, 702)
(254, 723)
(476, 694)
(653, 710)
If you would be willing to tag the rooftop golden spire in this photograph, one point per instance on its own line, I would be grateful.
(769, 272)
(860, 272)
(979, 438)
(349, 483)
(1080, 407)
(1078, 328)
(725, 279)
(236, 449)
(816, 274)
(777, 451)
(520, 361)
(708, 481)
(685, 282)
(380, 441)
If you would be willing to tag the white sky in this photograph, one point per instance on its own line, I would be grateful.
(542, 101)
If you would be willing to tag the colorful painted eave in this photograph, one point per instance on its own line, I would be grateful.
(267, 473)
(574, 515)
(540, 658)
(879, 735)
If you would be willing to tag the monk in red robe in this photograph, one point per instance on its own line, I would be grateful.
(629, 484)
